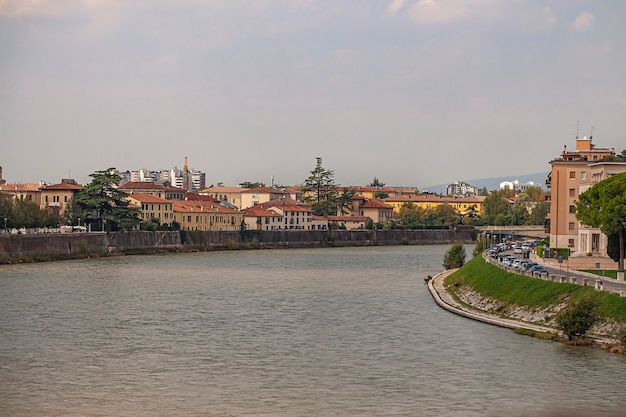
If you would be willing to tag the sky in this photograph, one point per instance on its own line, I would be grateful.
(411, 92)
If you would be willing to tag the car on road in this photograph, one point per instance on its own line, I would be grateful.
(538, 269)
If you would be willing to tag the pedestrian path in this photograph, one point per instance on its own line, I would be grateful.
(444, 299)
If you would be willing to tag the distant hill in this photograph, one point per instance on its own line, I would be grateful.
(493, 183)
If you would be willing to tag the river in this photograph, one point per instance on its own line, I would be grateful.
(298, 332)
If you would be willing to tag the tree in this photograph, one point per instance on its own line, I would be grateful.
(320, 192)
(376, 183)
(612, 247)
(454, 257)
(104, 203)
(249, 184)
(604, 206)
(496, 203)
(578, 317)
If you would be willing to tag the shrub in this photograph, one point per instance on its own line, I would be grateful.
(579, 316)
(454, 257)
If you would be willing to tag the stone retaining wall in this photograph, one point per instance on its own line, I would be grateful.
(65, 244)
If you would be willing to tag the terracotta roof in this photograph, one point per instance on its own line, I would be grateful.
(256, 211)
(224, 190)
(149, 198)
(199, 197)
(281, 202)
(302, 209)
(20, 187)
(195, 206)
(62, 186)
(375, 204)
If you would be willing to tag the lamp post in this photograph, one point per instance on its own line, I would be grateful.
(5, 224)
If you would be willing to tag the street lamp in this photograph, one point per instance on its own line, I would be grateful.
(5, 224)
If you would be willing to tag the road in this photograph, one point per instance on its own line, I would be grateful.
(608, 284)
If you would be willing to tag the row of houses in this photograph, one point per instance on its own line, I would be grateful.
(261, 208)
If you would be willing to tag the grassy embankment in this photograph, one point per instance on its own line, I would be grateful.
(532, 293)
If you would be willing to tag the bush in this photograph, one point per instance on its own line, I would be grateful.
(579, 316)
(454, 257)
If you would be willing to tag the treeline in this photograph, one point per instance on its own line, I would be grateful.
(17, 213)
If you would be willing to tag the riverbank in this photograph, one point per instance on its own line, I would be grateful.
(59, 246)
(522, 320)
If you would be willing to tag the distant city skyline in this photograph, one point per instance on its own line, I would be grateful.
(412, 92)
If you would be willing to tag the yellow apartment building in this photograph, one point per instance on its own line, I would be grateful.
(206, 216)
(153, 207)
(462, 205)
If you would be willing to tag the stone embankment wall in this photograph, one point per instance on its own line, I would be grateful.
(68, 244)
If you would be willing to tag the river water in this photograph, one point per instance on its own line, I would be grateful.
(302, 332)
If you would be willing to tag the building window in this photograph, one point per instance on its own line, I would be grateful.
(572, 175)
(571, 225)
(572, 209)
(570, 243)
(583, 175)
(572, 192)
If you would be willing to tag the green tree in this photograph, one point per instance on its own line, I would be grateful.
(604, 206)
(410, 215)
(102, 202)
(483, 191)
(539, 213)
(454, 257)
(320, 192)
(376, 183)
(444, 214)
(496, 203)
(249, 184)
(579, 317)
(612, 247)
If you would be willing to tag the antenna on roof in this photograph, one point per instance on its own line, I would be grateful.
(577, 127)
(591, 134)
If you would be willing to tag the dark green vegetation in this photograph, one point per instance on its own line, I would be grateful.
(18, 213)
(604, 206)
(454, 257)
(321, 191)
(513, 289)
(104, 205)
(579, 316)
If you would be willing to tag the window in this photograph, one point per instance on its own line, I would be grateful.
(572, 192)
(570, 243)
(583, 175)
(572, 209)
(571, 225)
(572, 175)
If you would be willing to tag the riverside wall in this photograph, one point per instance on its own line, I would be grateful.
(81, 244)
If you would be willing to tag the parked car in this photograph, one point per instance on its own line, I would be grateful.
(538, 269)
(530, 265)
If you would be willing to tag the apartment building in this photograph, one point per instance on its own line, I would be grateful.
(153, 207)
(592, 240)
(571, 173)
(206, 216)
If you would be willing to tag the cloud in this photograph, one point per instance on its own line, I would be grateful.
(27, 7)
(584, 21)
(395, 6)
(432, 11)
(548, 14)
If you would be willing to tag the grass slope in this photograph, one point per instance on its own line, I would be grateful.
(493, 282)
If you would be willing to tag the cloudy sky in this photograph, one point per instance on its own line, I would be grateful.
(413, 92)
